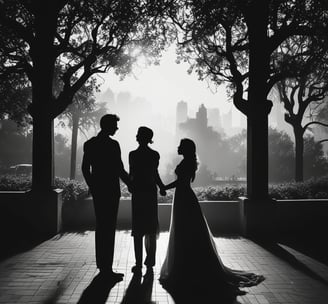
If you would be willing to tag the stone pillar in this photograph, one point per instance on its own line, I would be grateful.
(45, 211)
(258, 218)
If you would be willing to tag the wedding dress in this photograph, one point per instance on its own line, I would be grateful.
(192, 258)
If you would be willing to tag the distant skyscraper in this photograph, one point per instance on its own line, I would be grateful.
(214, 119)
(181, 113)
(227, 121)
(109, 97)
(194, 125)
(201, 116)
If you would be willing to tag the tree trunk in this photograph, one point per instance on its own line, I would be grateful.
(258, 108)
(42, 157)
(43, 129)
(42, 79)
(299, 151)
(75, 128)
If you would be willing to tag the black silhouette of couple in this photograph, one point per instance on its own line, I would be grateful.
(191, 254)
(102, 168)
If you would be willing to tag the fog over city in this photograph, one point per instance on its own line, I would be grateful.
(149, 96)
(176, 104)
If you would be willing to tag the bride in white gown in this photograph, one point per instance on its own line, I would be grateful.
(192, 258)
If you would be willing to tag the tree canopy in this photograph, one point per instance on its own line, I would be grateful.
(215, 38)
(82, 38)
(234, 42)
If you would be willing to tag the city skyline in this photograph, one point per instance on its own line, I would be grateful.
(165, 84)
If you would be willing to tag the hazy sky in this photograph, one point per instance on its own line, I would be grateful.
(166, 84)
(163, 86)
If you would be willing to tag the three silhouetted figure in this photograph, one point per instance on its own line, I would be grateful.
(192, 259)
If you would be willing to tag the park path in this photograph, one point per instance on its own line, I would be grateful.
(60, 269)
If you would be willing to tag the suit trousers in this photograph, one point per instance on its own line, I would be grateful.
(106, 208)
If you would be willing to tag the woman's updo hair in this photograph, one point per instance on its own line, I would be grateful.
(189, 153)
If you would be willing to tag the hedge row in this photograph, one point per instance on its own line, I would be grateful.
(310, 189)
(72, 189)
(314, 188)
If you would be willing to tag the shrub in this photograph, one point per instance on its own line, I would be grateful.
(15, 183)
(220, 193)
(312, 188)
(72, 189)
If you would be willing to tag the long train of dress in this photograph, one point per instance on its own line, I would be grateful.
(192, 258)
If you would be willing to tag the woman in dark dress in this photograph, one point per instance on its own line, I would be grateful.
(144, 178)
(192, 259)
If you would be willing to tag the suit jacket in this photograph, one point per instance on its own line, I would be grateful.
(104, 155)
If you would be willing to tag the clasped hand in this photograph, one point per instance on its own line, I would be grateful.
(162, 192)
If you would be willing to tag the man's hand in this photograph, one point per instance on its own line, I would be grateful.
(162, 192)
(130, 187)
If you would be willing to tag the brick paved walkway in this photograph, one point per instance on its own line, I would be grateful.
(60, 269)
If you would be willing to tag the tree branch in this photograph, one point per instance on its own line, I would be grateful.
(315, 123)
(322, 141)
(282, 34)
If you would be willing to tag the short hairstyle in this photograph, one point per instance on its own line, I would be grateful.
(146, 134)
(108, 120)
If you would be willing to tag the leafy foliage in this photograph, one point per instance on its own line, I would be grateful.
(311, 189)
(216, 38)
(15, 143)
(315, 162)
(282, 155)
(14, 183)
(303, 93)
(15, 95)
(219, 193)
(73, 190)
(80, 38)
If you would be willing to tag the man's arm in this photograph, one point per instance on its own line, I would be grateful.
(124, 176)
(131, 173)
(159, 180)
(86, 167)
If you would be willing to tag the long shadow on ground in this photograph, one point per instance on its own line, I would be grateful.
(98, 290)
(313, 245)
(276, 249)
(139, 291)
(18, 236)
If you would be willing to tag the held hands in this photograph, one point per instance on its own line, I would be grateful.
(162, 191)
(130, 188)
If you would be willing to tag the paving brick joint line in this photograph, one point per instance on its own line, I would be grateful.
(63, 267)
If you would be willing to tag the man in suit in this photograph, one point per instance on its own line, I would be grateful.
(102, 169)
